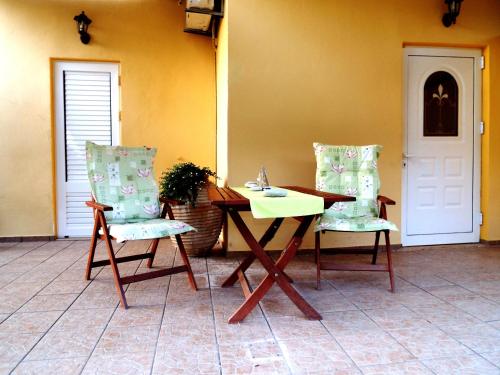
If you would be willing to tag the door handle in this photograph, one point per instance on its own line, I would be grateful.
(408, 156)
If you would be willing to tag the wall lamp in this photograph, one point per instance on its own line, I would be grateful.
(202, 16)
(453, 12)
(82, 24)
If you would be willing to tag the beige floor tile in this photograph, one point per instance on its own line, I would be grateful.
(49, 302)
(396, 318)
(246, 331)
(280, 306)
(28, 289)
(187, 356)
(74, 320)
(140, 298)
(291, 327)
(429, 342)
(159, 283)
(8, 277)
(315, 354)
(10, 303)
(427, 281)
(68, 366)
(444, 315)
(417, 298)
(479, 307)
(186, 295)
(224, 309)
(29, 322)
(65, 344)
(348, 323)
(462, 365)
(373, 347)
(7, 367)
(101, 286)
(187, 348)
(201, 330)
(117, 340)
(493, 357)
(372, 299)
(404, 368)
(65, 286)
(137, 316)
(14, 347)
(449, 293)
(262, 357)
(185, 310)
(481, 338)
(120, 364)
(96, 300)
(195, 337)
(3, 317)
(39, 275)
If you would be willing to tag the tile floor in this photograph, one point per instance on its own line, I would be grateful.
(444, 318)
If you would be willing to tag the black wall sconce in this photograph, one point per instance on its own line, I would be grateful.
(82, 24)
(453, 12)
(202, 16)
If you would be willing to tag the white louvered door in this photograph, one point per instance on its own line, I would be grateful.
(86, 108)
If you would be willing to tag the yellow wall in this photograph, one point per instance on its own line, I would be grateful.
(331, 71)
(167, 93)
(490, 199)
(222, 99)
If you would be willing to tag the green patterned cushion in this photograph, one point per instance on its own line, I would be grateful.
(122, 177)
(349, 170)
(356, 224)
(148, 229)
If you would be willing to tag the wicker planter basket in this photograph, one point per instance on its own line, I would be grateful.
(207, 219)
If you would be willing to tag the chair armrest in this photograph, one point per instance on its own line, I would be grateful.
(99, 206)
(170, 201)
(385, 200)
(167, 209)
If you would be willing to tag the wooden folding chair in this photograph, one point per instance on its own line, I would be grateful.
(352, 170)
(122, 181)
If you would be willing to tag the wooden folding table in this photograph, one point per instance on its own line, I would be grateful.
(233, 203)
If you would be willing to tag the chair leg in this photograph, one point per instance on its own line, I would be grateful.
(154, 246)
(375, 248)
(389, 260)
(113, 264)
(185, 259)
(317, 255)
(93, 245)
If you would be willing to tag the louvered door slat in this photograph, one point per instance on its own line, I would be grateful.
(81, 122)
(87, 110)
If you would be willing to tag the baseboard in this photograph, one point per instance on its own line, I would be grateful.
(27, 239)
(491, 243)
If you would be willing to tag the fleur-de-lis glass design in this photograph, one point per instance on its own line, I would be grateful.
(440, 105)
(440, 96)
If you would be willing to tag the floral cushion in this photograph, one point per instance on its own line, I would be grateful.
(350, 170)
(148, 229)
(356, 224)
(122, 177)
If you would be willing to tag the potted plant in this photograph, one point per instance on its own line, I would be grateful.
(187, 183)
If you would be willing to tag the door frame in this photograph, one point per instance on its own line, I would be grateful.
(476, 54)
(56, 65)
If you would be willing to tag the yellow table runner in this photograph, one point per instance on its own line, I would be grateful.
(294, 204)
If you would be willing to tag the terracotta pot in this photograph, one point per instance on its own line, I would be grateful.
(207, 219)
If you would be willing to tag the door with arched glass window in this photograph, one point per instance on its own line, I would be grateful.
(441, 168)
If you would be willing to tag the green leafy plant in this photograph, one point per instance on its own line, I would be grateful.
(183, 182)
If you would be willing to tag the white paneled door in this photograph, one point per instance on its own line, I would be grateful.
(86, 108)
(442, 147)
